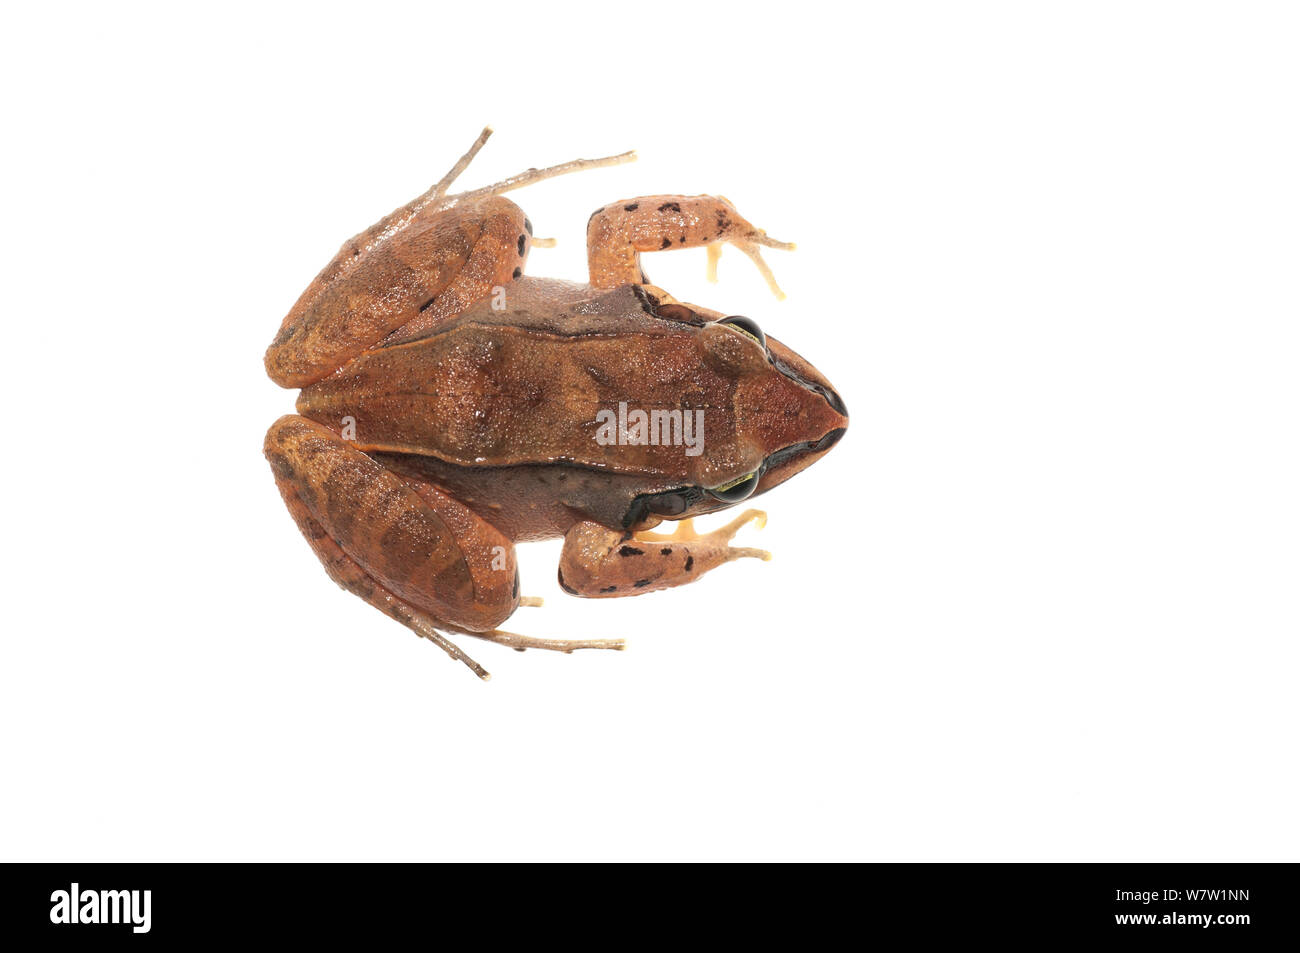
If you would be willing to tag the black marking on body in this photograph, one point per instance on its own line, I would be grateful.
(666, 551)
(631, 551)
(424, 307)
(690, 561)
(564, 585)
(836, 403)
(632, 208)
(517, 272)
(523, 240)
(610, 589)
(649, 303)
(528, 226)
(670, 207)
(599, 375)
(640, 583)
(667, 244)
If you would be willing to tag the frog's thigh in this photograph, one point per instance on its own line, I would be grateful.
(401, 545)
(597, 562)
(498, 257)
(420, 275)
(619, 232)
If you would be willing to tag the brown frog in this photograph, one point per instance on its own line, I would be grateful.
(451, 407)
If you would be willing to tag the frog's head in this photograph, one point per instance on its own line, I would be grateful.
(781, 416)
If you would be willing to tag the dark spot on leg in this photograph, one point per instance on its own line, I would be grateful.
(690, 561)
(632, 208)
(517, 273)
(682, 240)
(670, 207)
(610, 589)
(631, 551)
(667, 244)
(666, 551)
(640, 583)
(523, 240)
(425, 306)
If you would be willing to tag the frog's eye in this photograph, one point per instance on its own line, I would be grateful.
(736, 490)
(747, 326)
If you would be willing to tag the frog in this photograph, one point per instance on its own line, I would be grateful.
(450, 407)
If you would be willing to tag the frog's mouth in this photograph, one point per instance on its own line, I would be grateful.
(788, 461)
(787, 454)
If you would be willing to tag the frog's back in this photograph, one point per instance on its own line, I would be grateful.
(521, 379)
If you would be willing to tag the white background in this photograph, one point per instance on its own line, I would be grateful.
(1040, 603)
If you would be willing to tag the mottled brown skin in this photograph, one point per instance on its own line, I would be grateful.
(449, 409)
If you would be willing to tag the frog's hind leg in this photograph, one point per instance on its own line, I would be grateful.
(567, 646)
(411, 281)
(617, 235)
(437, 194)
(349, 575)
(442, 185)
(411, 551)
(421, 264)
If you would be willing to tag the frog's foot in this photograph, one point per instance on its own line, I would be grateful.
(750, 246)
(443, 184)
(422, 626)
(619, 233)
(719, 539)
(600, 563)
(521, 642)
(437, 195)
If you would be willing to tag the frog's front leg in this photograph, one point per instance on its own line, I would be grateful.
(599, 563)
(618, 233)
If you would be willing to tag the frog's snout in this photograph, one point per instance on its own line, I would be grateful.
(831, 439)
(836, 402)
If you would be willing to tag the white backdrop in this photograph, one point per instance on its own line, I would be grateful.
(1040, 603)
